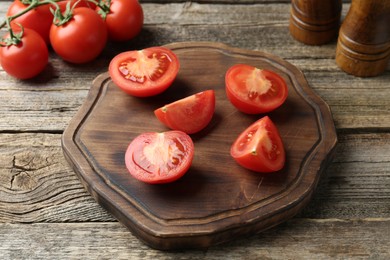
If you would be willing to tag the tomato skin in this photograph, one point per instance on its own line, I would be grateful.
(244, 92)
(125, 19)
(158, 158)
(190, 114)
(259, 147)
(18, 61)
(82, 38)
(39, 19)
(146, 72)
(82, 3)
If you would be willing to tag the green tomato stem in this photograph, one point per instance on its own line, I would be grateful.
(104, 6)
(58, 19)
(16, 38)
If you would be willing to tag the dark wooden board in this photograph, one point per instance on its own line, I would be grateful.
(217, 200)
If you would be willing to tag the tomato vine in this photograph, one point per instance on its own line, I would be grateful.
(59, 18)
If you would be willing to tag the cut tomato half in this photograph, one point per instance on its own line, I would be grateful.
(159, 157)
(190, 114)
(255, 91)
(146, 72)
(259, 147)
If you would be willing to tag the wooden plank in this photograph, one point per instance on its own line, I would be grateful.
(296, 239)
(48, 102)
(216, 1)
(355, 102)
(38, 185)
(258, 27)
(357, 183)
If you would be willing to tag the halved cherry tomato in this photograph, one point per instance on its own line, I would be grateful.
(159, 157)
(254, 91)
(190, 114)
(146, 72)
(260, 148)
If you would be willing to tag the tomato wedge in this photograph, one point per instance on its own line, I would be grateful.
(190, 114)
(146, 72)
(259, 148)
(159, 157)
(254, 91)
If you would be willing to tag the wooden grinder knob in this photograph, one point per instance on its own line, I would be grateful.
(315, 22)
(363, 47)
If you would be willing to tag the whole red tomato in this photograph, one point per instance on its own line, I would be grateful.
(39, 19)
(124, 19)
(80, 3)
(82, 38)
(27, 58)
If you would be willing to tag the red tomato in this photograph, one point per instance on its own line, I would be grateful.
(81, 3)
(26, 59)
(159, 157)
(125, 19)
(82, 38)
(146, 72)
(254, 91)
(38, 19)
(259, 148)
(190, 114)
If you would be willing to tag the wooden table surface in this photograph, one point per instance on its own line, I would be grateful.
(45, 213)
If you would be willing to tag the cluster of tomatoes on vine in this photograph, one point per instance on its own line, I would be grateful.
(77, 31)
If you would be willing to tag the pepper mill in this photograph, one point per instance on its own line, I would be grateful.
(315, 22)
(363, 46)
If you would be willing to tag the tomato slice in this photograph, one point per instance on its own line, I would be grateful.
(254, 91)
(190, 114)
(146, 72)
(259, 148)
(159, 157)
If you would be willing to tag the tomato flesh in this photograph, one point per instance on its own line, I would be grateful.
(254, 91)
(146, 72)
(260, 148)
(159, 157)
(190, 114)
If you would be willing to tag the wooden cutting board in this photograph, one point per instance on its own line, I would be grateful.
(217, 200)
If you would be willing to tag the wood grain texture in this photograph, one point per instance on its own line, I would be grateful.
(30, 192)
(329, 239)
(38, 186)
(363, 46)
(55, 96)
(315, 22)
(216, 201)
